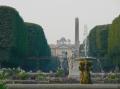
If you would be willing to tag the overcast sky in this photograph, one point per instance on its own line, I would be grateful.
(57, 16)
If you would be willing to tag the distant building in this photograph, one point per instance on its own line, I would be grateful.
(64, 45)
(67, 52)
(61, 47)
(63, 50)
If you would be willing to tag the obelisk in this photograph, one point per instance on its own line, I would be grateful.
(77, 36)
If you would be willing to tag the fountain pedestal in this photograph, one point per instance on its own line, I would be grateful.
(85, 67)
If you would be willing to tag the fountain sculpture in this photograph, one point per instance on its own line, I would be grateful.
(85, 67)
(85, 64)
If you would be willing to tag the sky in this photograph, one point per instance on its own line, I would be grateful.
(57, 17)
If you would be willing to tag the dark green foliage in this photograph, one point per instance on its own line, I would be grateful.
(60, 73)
(38, 48)
(98, 46)
(12, 36)
(114, 42)
(105, 44)
(54, 64)
(3, 86)
(98, 41)
(22, 44)
(37, 43)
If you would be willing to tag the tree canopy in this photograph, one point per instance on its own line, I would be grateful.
(114, 42)
(22, 44)
(104, 43)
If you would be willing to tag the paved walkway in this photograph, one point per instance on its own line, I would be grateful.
(63, 86)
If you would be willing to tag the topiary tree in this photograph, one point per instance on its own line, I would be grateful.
(12, 37)
(22, 44)
(39, 52)
(114, 42)
(98, 46)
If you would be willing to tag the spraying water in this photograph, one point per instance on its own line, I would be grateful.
(86, 48)
(86, 43)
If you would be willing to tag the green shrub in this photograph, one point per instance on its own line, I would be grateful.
(41, 76)
(2, 86)
(22, 75)
(60, 73)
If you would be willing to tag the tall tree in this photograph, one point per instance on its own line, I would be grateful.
(114, 42)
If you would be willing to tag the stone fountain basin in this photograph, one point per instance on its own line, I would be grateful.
(86, 58)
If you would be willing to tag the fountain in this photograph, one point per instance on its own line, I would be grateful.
(85, 63)
(85, 67)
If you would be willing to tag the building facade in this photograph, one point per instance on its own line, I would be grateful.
(61, 47)
(67, 52)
